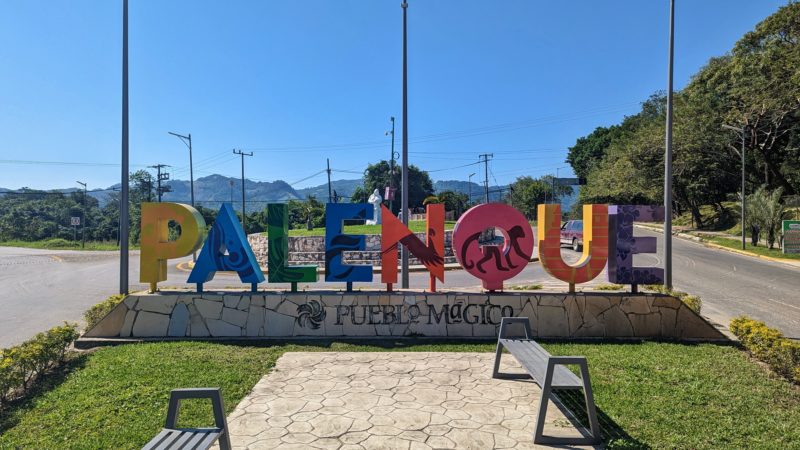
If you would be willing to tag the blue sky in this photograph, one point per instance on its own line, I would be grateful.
(300, 81)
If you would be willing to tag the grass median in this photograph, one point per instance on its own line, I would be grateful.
(661, 395)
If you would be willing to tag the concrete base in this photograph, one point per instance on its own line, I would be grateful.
(400, 314)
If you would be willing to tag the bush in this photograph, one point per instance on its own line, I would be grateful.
(769, 345)
(21, 365)
(692, 301)
(96, 313)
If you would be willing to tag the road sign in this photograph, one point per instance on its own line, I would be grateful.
(569, 181)
(791, 236)
(75, 221)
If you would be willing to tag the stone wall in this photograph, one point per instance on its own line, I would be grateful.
(375, 314)
(311, 250)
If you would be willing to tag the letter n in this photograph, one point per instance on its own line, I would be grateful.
(431, 255)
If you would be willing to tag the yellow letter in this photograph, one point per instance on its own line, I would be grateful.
(156, 246)
(595, 244)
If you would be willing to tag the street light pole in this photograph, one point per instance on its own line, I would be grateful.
(83, 219)
(244, 210)
(124, 235)
(743, 132)
(404, 187)
(391, 165)
(668, 157)
(187, 141)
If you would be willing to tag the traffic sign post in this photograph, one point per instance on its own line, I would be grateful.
(75, 222)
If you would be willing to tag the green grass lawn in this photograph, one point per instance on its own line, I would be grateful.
(659, 395)
(759, 250)
(62, 244)
(417, 226)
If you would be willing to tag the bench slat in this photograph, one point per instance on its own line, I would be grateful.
(184, 439)
(535, 358)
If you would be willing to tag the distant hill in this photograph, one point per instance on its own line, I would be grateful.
(344, 188)
(212, 190)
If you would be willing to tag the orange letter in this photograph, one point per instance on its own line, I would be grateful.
(595, 244)
(156, 246)
(430, 255)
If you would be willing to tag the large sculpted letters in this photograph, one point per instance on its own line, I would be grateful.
(430, 255)
(336, 242)
(278, 245)
(155, 243)
(595, 244)
(624, 245)
(492, 263)
(226, 235)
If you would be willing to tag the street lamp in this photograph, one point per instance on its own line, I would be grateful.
(83, 219)
(668, 155)
(187, 141)
(404, 182)
(742, 131)
(469, 185)
(391, 164)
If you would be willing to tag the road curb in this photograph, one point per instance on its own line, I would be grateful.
(707, 244)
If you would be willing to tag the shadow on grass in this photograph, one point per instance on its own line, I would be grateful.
(10, 413)
(571, 402)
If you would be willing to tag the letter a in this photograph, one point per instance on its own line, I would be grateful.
(226, 235)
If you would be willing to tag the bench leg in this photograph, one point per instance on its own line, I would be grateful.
(498, 353)
(215, 395)
(591, 411)
(588, 395)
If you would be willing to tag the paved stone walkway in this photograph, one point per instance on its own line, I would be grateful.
(384, 400)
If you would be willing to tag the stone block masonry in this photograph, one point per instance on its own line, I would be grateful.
(400, 314)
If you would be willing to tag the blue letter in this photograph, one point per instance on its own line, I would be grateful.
(336, 242)
(226, 234)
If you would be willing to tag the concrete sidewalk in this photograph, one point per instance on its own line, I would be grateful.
(381, 400)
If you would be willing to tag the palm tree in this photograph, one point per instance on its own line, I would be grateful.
(766, 213)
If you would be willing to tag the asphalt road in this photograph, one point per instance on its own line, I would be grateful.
(42, 288)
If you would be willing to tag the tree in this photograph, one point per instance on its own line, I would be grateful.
(526, 193)
(765, 214)
(377, 177)
(454, 201)
(359, 195)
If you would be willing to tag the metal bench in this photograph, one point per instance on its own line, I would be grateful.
(549, 372)
(172, 437)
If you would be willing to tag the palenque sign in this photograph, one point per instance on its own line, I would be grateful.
(607, 236)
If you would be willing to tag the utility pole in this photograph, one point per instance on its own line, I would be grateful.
(668, 157)
(231, 184)
(391, 165)
(404, 182)
(124, 220)
(160, 190)
(83, 219)
(244, 209)
(330, 191)
(485, 160)
(743, 132)
(469, 186)
(187, 141)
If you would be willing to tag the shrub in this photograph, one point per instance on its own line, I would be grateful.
(21, 365)
(93, 315)
(609, 287)
(769, 345)
(692, 301)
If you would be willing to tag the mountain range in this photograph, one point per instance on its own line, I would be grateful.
(212, 190)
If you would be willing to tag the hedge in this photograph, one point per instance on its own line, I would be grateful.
(93, 315)
(21, 365)
(692, 301)
(769, 345)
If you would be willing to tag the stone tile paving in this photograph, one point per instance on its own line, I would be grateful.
(384, 400)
